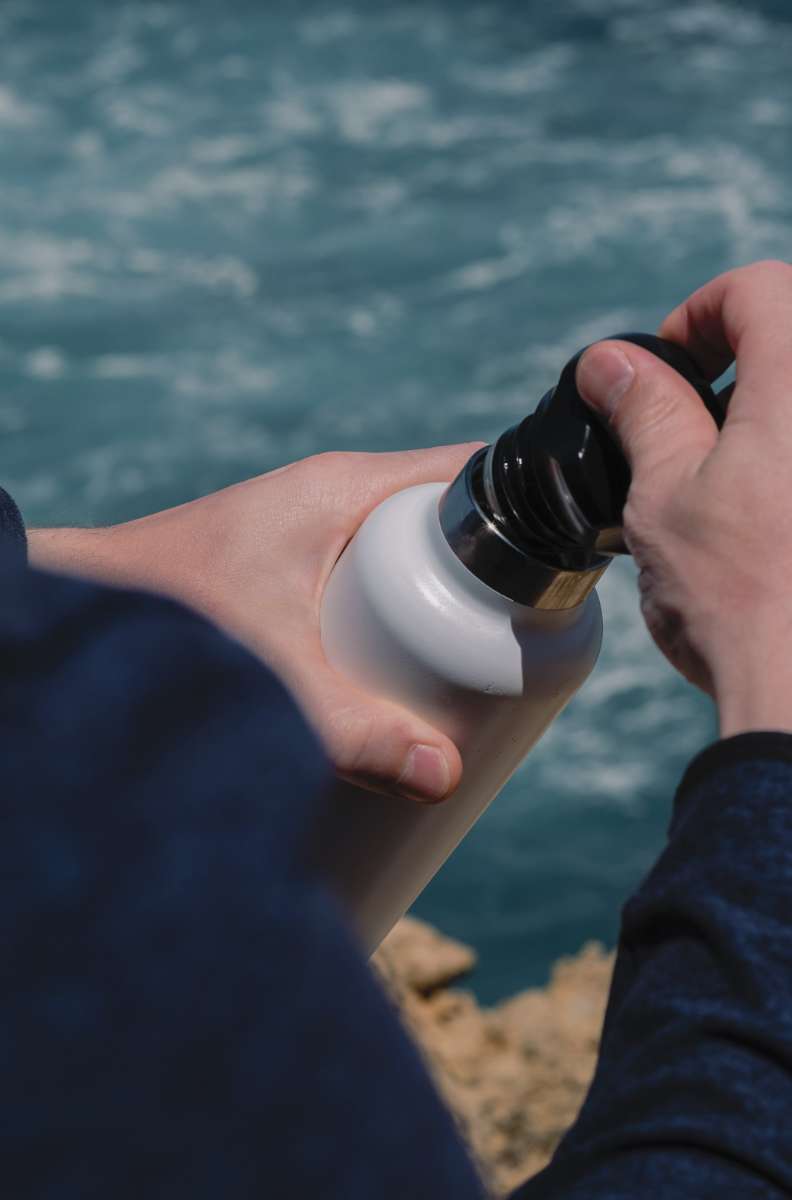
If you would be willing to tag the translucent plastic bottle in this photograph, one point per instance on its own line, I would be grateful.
(474, 606)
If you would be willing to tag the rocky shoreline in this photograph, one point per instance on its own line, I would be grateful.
(514, 1075)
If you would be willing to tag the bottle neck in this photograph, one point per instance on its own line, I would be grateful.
(497, 548)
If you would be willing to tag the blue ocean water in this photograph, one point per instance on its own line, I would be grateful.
(235, 234)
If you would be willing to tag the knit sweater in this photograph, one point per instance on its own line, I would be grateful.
(185, 1014)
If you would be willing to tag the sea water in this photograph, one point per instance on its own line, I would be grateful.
(235, 234)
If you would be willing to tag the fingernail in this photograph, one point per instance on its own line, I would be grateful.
(426, 773)
(604, 374)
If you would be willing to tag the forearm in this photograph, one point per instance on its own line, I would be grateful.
(132, 554)
(693, 1088)
(147, 554)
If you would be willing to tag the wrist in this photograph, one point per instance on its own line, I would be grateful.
(90, 553)
(127, 555)
(754, 693)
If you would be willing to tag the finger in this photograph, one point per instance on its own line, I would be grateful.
(745, 315)
(374, 743)
(659, 419)
(699, 325)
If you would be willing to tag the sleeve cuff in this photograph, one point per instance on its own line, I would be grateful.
(13, 539)
(742, 747)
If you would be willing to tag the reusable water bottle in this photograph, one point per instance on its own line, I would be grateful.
(473, 605)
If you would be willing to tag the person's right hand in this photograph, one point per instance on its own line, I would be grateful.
(709, 516)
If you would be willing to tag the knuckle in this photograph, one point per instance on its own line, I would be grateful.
(652, 516)
(775, 266)
(641, 516)
(640, 419)
(767, 270)
(365, 740)
(348, 733)
(336, 462)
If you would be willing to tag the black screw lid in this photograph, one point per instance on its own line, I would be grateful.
(558, 481)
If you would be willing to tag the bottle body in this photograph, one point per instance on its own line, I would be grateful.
(404, 618)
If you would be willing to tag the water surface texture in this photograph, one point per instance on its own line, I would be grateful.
(235, 234)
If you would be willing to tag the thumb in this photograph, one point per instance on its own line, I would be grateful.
(375, 743)
(660, 420)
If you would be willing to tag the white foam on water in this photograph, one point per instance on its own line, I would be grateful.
(255, 188)
(45, 362)
(524, 77)
(126, 366)
(292, 114)
(36, 265)
(16, 113)
(363, 108)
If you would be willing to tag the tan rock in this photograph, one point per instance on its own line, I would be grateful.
(514, 1075)
(423, 958)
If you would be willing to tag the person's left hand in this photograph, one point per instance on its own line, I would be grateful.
(255, 559)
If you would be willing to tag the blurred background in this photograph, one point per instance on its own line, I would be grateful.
(233, 234)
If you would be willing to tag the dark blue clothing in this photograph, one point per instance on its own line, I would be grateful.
(692, 1097)
(184, 1014)
(13, 539)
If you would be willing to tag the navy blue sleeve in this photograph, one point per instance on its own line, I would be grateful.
(13, 539)
(692, 1096)
(183, 1014)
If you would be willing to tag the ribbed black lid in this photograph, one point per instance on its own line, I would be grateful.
(558, 481)
(537, 516)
